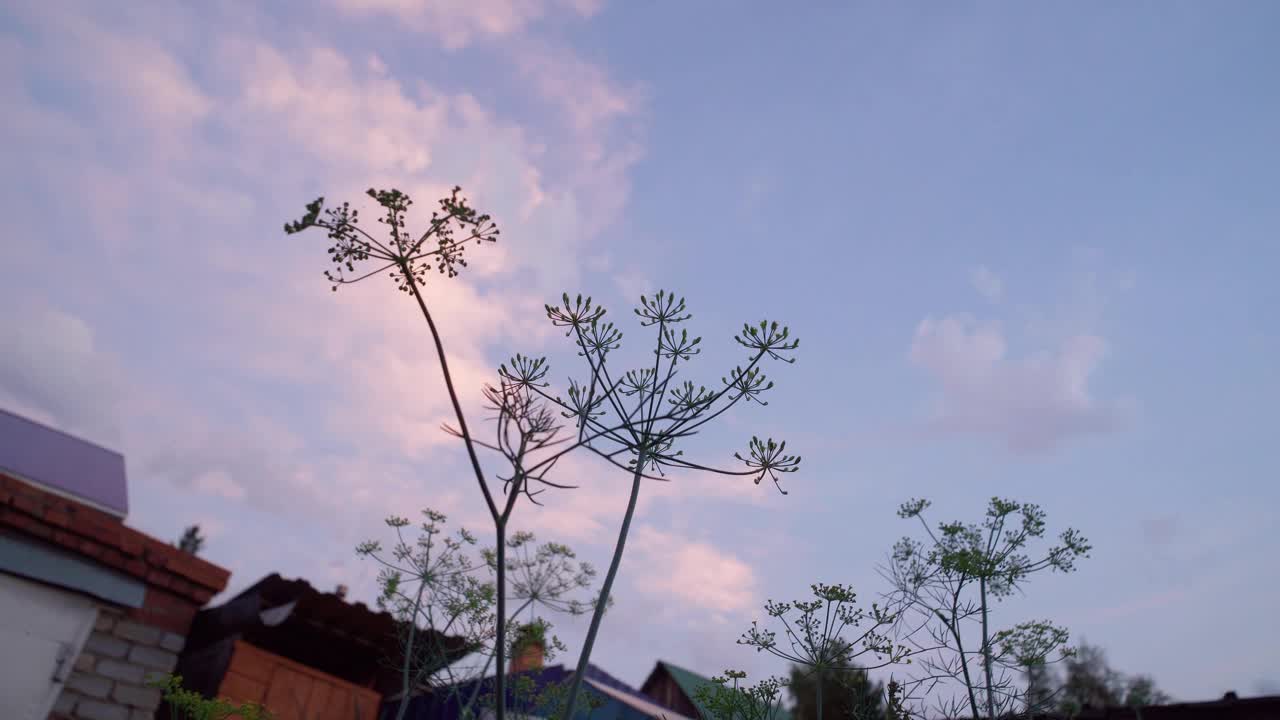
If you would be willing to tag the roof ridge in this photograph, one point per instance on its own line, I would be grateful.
(685, 670)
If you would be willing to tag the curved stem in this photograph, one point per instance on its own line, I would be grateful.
(453, 394)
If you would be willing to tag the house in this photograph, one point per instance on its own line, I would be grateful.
(677, 688)
(89, 607)
(611, 698)
(302, 653)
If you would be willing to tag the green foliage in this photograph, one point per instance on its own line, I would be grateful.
(814, 631)
(726, 699)
(961, 550)
(545, 575)
(1091, 682)
(945, 590)
(824, 658)
(189, 705)
(191, 541)
(529, 700)
(445, 601)
(848, 694)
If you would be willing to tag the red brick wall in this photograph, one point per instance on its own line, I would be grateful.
(127, 645)
(173, 577)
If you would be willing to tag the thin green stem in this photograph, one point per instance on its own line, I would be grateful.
(587, 644)
(408, 654)
(986, 648)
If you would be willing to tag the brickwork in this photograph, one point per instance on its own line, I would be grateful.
(110, 675)
(127, 646)
(175, 577)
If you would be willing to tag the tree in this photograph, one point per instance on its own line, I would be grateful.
(850, 693)
(1091, 682)
(815, 643)
(1141, 690)
(945, 590)
(635, 419)
(191, 541)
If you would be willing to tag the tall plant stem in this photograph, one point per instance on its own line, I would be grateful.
(408, 654)
(954, 627)
(500, 710)
(453, 394)
(819, 693)
(500, 628)
(596, 616)
(986, 649)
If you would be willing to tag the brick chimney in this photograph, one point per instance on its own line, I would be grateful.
(528, 655)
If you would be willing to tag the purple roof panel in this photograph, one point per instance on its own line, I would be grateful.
(60, 461)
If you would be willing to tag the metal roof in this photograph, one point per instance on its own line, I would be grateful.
(63, 463)
(623, 702)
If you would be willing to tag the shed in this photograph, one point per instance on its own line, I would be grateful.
(89, 607)
(300, 652)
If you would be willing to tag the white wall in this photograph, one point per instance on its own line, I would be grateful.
(42, 630)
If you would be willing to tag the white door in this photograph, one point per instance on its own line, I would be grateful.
(42, 630)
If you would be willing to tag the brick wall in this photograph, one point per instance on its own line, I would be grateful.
(109, 679)
(127, 645)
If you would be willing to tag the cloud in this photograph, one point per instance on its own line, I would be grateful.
(697, 573)
(987, 283)
(253, 387)
(459, 23)
(53, 371)
(1032, 403)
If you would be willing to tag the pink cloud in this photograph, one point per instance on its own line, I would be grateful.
(1033, 403)
(458, 23)
(695, 572)
(194, 225)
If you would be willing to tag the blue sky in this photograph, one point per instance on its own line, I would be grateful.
(1029, 251)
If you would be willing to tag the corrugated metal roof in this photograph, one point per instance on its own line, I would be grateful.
(63, 463)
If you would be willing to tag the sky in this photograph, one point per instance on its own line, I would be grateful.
(1028, 251)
